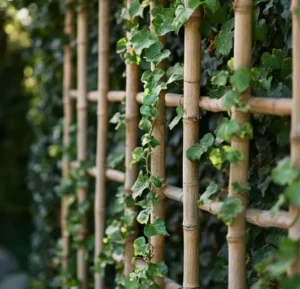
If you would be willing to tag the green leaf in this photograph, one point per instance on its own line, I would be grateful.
(163, 19)
(156, 270)
(135, 9)
(143, 217)
(260, 30)
(154, 53)
(210, 190)
(292, 282)
(230, 209)
(221, 78)
(176, 120)
(152, 78)
(274, 60)
(175, 73)
(212, 5)
(140, 247)
(284, 173)
(246, 131)
(121, 45)
(240, 79)
(145, 124)
(138, 155)
(227, 129)
(140, 185)
(224, 41)
(156, 181)
(156, 228)
(276, 207)
(234, 156)
(195, 152)
(148, 111)
(150, 140)
(240, 188)
(182, 15)
(292, 193)
(230, 98)
(142, 39)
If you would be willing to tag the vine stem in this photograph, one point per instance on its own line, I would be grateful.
(158, 161)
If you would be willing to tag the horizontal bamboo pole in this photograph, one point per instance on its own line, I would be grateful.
(261, 218)
(112, 175)
(261, 105)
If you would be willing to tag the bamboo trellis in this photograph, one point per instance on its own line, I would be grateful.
(192, 103)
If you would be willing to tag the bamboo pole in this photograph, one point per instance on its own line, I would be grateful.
(294, 231)
(132, 121)
(192, 52)
(102, 130)
(82, 133)
(67, 85)
(261, 105)
(158, 159)
(236, 236)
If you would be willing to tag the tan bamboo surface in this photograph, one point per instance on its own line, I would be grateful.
(294, 231)
(236, 236)
(102, 130)
(192, 53)
(82, 133)
(132, 122)
(260, 105)
(68, 117)
(158, 159)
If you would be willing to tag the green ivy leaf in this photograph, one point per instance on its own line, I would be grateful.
(150, 140)
(227, 129)
(246, 131)
(210, 190)
(212, 5)
(140, 247)
(121, 45)
(221, 78)
(276, 207)
(176, 120)
(155, 54)
(140, 185)
(156, 228)
(240, 79)
(234, 156)
(145, 124)
(182, 15)
(135, 9)
(274, 60)
(230, 98)
(223, 42)
(292, 193)
(149, 111)
(156, 270)
(151, 78)
(195, 152)
(230, 209)
(156, 181)
(142, 39)
(138, 155)
(143, 217)
(284, 173)
(240, 188)
(163, 19)
(175, 73)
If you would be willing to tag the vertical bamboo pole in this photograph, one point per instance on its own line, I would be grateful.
(294, 231)
(192, 62)
(67, 86)
(82, 132)
(239, 171)
(132, 115)
(158, 162)
(102, 126)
